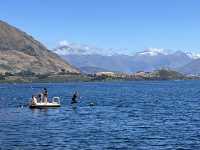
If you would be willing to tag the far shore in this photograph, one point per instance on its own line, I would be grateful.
(81, 78)
(30, 77)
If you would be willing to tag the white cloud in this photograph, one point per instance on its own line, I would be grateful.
(63, 43)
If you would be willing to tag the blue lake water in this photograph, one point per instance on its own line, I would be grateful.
(127, 115)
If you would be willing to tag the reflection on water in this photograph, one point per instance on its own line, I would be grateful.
(113, 115)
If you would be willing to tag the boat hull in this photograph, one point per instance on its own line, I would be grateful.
(44, 105)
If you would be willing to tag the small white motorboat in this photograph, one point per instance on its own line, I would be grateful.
(54, 103)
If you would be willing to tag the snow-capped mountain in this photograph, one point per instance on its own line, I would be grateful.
(157, 51)
(153, 52)
(67, 48)
(84, 56)
(193, 55)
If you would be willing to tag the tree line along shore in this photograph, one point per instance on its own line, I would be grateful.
(31, 77)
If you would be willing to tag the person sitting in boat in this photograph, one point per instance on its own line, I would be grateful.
(45, 95)
(74, 98)
(34, 100)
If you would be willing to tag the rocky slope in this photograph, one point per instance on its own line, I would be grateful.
(21, 52)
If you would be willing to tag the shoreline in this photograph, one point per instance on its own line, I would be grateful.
(85, 81)
(160, 75)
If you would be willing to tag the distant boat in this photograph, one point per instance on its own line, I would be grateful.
(54, 103)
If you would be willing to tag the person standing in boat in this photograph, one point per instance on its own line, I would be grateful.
(39, 97)
(74, 98)
(45, 95)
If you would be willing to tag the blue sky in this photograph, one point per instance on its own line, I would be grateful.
(130, 24)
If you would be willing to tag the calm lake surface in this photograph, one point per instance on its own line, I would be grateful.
(147, 115)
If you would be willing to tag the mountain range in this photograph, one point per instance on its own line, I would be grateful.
(21, 52)
(90, 59)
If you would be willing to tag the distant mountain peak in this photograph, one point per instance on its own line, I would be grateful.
(69, 48)
(193, 55)
(153, 52)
